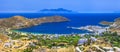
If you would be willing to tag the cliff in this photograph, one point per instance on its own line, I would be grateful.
(17, 22)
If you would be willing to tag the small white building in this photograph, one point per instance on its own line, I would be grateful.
(82, 41)
(7, 45)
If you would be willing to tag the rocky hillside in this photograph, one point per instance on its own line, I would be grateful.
(17, 22)
(114, 26)
(3, 37)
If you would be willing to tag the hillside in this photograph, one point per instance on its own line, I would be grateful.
(114, 26)
(17, 22)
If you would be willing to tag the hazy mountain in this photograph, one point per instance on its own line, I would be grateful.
(59, 10)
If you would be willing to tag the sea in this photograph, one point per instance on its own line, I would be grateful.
(76, 20)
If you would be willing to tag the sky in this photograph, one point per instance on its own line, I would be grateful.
(85, 6)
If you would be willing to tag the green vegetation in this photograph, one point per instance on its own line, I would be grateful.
(50, 41)
(113, 38)
(64, 41)
(60, 41)
(16, 36)
(30, 48)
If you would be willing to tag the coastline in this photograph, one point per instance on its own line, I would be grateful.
(92, 29)
(17, 31)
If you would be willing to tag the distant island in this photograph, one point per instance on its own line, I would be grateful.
(58, 10)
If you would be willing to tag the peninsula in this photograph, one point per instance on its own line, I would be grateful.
(17, 22)
(106, 23)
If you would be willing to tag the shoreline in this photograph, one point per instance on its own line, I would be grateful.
(101, 29)
(17, 31)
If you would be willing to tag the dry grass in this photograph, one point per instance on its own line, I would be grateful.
(3, 37)
(68, 49)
